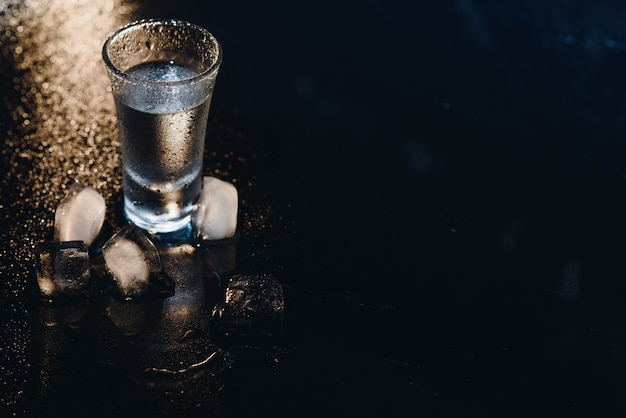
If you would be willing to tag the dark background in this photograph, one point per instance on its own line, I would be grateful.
(438, 185)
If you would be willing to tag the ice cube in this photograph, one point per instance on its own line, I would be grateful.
(216, 215)
(80, 215)
(253, 309)
(63, 271)
(132, 263)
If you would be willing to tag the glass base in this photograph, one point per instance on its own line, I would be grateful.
(160, 227)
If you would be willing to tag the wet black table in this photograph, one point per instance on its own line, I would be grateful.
(439, 188)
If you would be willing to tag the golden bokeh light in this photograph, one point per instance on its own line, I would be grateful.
(57, 125)
(65, 117)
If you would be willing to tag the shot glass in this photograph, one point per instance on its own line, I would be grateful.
(162, 75)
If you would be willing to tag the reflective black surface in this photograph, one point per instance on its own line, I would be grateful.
(439, 187)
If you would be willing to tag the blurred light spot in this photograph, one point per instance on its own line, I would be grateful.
(55, 47)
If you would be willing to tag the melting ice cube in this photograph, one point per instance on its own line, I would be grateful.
(253, 309)
(63, 271)
(216, 216)
(80, 215)
(132, 263)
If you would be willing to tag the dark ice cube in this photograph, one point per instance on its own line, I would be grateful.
(63, 271)
(253, 310)
(133, 265)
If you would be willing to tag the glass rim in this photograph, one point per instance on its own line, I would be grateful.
(212, 69)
